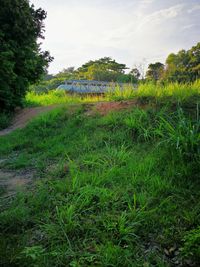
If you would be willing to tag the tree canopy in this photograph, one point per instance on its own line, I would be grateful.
(155, 71)
(104, 69)
(184, 66)
(22, 61)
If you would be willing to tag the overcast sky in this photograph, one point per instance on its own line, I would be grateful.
(126, 30)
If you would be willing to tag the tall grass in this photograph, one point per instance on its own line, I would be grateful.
(177, 92)
(58, 97)
(122, 93)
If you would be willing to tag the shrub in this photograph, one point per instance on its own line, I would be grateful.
(4, 120)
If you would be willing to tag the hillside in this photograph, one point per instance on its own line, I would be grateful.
(103, 184)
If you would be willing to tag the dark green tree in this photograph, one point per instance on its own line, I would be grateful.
(183, 66)
(135, 73)
(22, 61)
(103, 69)
(155, 71)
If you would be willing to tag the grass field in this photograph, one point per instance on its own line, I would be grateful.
(177, 92)
(121, 184)
(115, 190)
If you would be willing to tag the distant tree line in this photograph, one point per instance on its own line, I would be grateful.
(103, 69)
(181, 67)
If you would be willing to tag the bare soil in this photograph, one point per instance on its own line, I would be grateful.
(103, 108)
(12, 181)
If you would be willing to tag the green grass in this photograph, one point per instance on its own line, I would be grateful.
(112, 191)
(176, 92)
(58, 97)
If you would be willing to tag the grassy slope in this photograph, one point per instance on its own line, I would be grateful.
(109, 194)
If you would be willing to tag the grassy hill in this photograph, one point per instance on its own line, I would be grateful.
(121, 189)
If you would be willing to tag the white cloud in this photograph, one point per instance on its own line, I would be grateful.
(128, 30)
(160, 16)
(194, 8)
(187, 27)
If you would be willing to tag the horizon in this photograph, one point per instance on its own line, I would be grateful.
(131, 32)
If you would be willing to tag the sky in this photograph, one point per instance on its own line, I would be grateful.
(129, 31)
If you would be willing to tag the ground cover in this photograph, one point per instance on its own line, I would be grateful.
(115, 190)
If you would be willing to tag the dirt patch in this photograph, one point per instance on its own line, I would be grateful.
(104, 108)
(12, 182)
(23, 116)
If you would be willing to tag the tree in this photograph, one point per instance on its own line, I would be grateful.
(155, 71)
(183, 66)
(135, 73)
(22, 61)
(141, 66)
(194, 62)
(103, 69)
(67, 73)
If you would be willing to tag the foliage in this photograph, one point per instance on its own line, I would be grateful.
(191, 246)
(68, 73)
(175, 130)
(155, 71)
(112, 192)
(182, 133)
(22, 61)
(58, 97)
(5, 119)
(136, 73)
(183, 66)
(45, 86)
(104, 69)
(176, 92)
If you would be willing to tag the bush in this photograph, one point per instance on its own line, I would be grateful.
(4, 120)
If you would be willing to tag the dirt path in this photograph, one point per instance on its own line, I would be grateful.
(23, 116)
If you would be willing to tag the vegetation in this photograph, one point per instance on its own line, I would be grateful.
(177, 92)
(58, 97)
(181, 67)
(122, 184)
(184, 66)
(115, 190)
(22, 61)
(155, 71)
(5, 119)
(104, 69)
